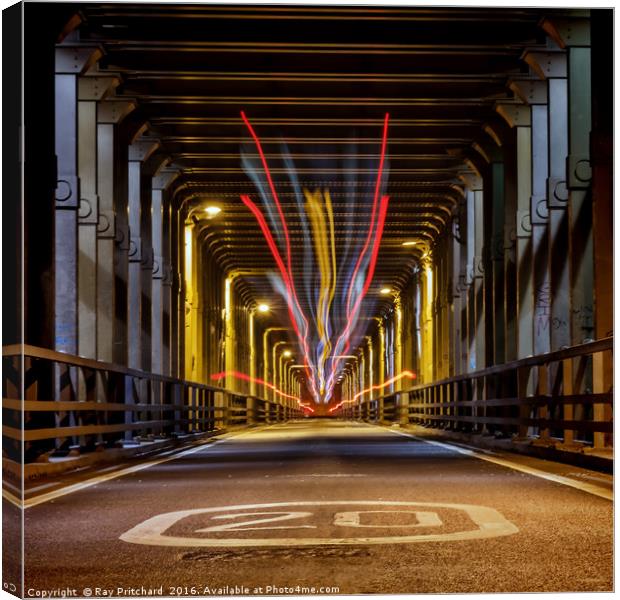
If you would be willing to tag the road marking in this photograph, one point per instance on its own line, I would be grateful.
(580, 485)
(490, 524)
(76, 487)
(352, 518)
(273, 517)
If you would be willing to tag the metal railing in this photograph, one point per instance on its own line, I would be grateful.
(73, 403)
(558, 398)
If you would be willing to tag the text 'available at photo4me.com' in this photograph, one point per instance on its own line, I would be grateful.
(172, 590)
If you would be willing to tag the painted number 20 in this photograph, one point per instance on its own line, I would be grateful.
(342, 519)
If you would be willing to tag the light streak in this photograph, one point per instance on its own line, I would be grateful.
(371, 270)
(288, 280)
(244, 377)
(380, 386)
(409, 374)
(332, 326)
(321, 217)
(374, 210)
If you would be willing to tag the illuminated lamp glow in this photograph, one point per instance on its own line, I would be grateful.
(212, 211)
(386, 290)
(409, 243)
(287, 354)
(263, 308)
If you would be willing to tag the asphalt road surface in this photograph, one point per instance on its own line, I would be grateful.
(344, 508)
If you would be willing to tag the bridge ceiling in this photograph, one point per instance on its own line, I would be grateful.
(319, 80)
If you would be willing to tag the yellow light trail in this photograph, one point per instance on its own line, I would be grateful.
(321, 216)
(379, 386)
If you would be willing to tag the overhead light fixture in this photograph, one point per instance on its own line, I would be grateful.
(386, 290)
(409, 243)
(213, 210)
(262, 308)
(287, 353)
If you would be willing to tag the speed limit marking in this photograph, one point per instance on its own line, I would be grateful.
(486, 523)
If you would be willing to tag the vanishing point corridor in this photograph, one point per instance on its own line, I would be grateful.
(307, 300)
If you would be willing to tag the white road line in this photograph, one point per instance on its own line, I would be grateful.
(347, 475)
(40, 487)
(580, 485)
(76, 487)
(11, 498)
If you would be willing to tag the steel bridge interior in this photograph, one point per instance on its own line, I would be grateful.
(492, 291)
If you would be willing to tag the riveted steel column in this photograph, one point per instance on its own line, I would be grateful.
(70, 62)
(551, 66)
(444, 295)
(497, 258)
(468, 276)
(177, 323)
(160, 183)
(166, 289)
(158, 273)
(478, 271)
(573, 34)
(91, 90)
(601, 148)
(109, 114)
(460, 294)
(580, 199)
(508, 242)
(534, 93)
(491, 147)
(133, 280)
(88, 215)
(139, 151)
(518, 116)
(473, 239)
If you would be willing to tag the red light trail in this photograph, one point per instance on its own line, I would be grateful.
(280, 235)
(244, 377)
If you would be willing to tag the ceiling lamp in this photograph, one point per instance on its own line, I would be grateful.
(213, 210)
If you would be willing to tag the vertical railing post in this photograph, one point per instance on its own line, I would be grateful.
(128, 396)
(601, 385)
(403, 409)
(523, 376)
(543, 409)
(568, 407)
(177, 392)
(251, 409)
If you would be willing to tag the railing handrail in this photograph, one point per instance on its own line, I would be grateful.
(99, 365)
(586, 348)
